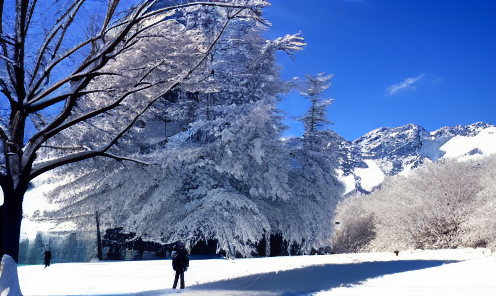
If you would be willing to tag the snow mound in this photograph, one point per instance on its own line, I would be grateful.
(9, 283)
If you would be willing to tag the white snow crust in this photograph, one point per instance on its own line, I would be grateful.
(344, 274)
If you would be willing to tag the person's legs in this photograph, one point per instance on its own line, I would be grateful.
(182, 279)
(176, 279)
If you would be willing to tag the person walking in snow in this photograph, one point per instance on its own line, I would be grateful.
(48, 257)
(180, 263)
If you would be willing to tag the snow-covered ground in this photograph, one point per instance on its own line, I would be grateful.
(410, 273)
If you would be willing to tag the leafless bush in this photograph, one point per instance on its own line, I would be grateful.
(442, 205)
(356, 227)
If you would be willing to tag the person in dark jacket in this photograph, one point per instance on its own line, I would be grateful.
(48, 257)
(180, 263)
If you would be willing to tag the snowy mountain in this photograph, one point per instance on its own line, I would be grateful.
(390, 151)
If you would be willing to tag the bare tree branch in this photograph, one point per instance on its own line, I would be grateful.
(112, 6)
(60, 24)
(65, 147)
(30, 14)
(3, 135)
(42, 105)
(121, 158)
(42, 167)
(3, 40)
(50, 132)
(50, 67)
(7, 60)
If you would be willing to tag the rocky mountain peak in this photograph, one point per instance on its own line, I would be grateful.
(391, 151)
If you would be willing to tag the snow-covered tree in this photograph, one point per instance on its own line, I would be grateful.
(225, 174)
(82, 70)
(312, 177)
(448, 204)
(218, 146)
(315, 119)
(355, 228)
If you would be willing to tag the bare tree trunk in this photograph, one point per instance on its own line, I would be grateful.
(267, 243)
(98, 237)
(10, 221)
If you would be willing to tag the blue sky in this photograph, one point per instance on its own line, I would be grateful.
(432, 63)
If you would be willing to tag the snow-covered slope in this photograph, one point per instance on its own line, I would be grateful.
(391, 151)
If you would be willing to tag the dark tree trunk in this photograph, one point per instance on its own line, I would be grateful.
(10, 221)
(98, 238)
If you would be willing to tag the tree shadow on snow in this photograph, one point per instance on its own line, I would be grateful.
(306, 280)
(317, 278)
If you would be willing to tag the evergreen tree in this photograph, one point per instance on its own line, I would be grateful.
(313, 176)
(315, 119)
(220, 174)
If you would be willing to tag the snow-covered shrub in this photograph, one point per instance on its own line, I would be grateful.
(355, 227)
(448, 204)
(480, 229)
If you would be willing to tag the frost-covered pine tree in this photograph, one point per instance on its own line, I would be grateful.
(315, 119)
(313, 178)
(223, 172)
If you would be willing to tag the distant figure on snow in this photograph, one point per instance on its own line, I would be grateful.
(48, 257)
(180, 263)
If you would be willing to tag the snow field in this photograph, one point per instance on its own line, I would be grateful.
(472, 277)
(381, 273)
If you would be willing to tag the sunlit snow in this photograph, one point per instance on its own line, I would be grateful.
(411, 273)
(468, 147)
(348, 181)
(371, 176)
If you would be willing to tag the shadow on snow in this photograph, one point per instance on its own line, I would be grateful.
(308, 279)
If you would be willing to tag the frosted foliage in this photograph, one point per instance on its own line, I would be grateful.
(315, 119)
(356, 226)
(448, 204)
(240, 68)
(314, 183)
(221, 170)
(163, 56)
(233, 219)
(233, 188)
(195, 194)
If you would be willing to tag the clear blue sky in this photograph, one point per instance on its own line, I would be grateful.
(432, 63)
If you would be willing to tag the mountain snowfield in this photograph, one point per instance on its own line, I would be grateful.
(429, 272)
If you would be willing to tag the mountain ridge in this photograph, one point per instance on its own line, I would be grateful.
(397, 150)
